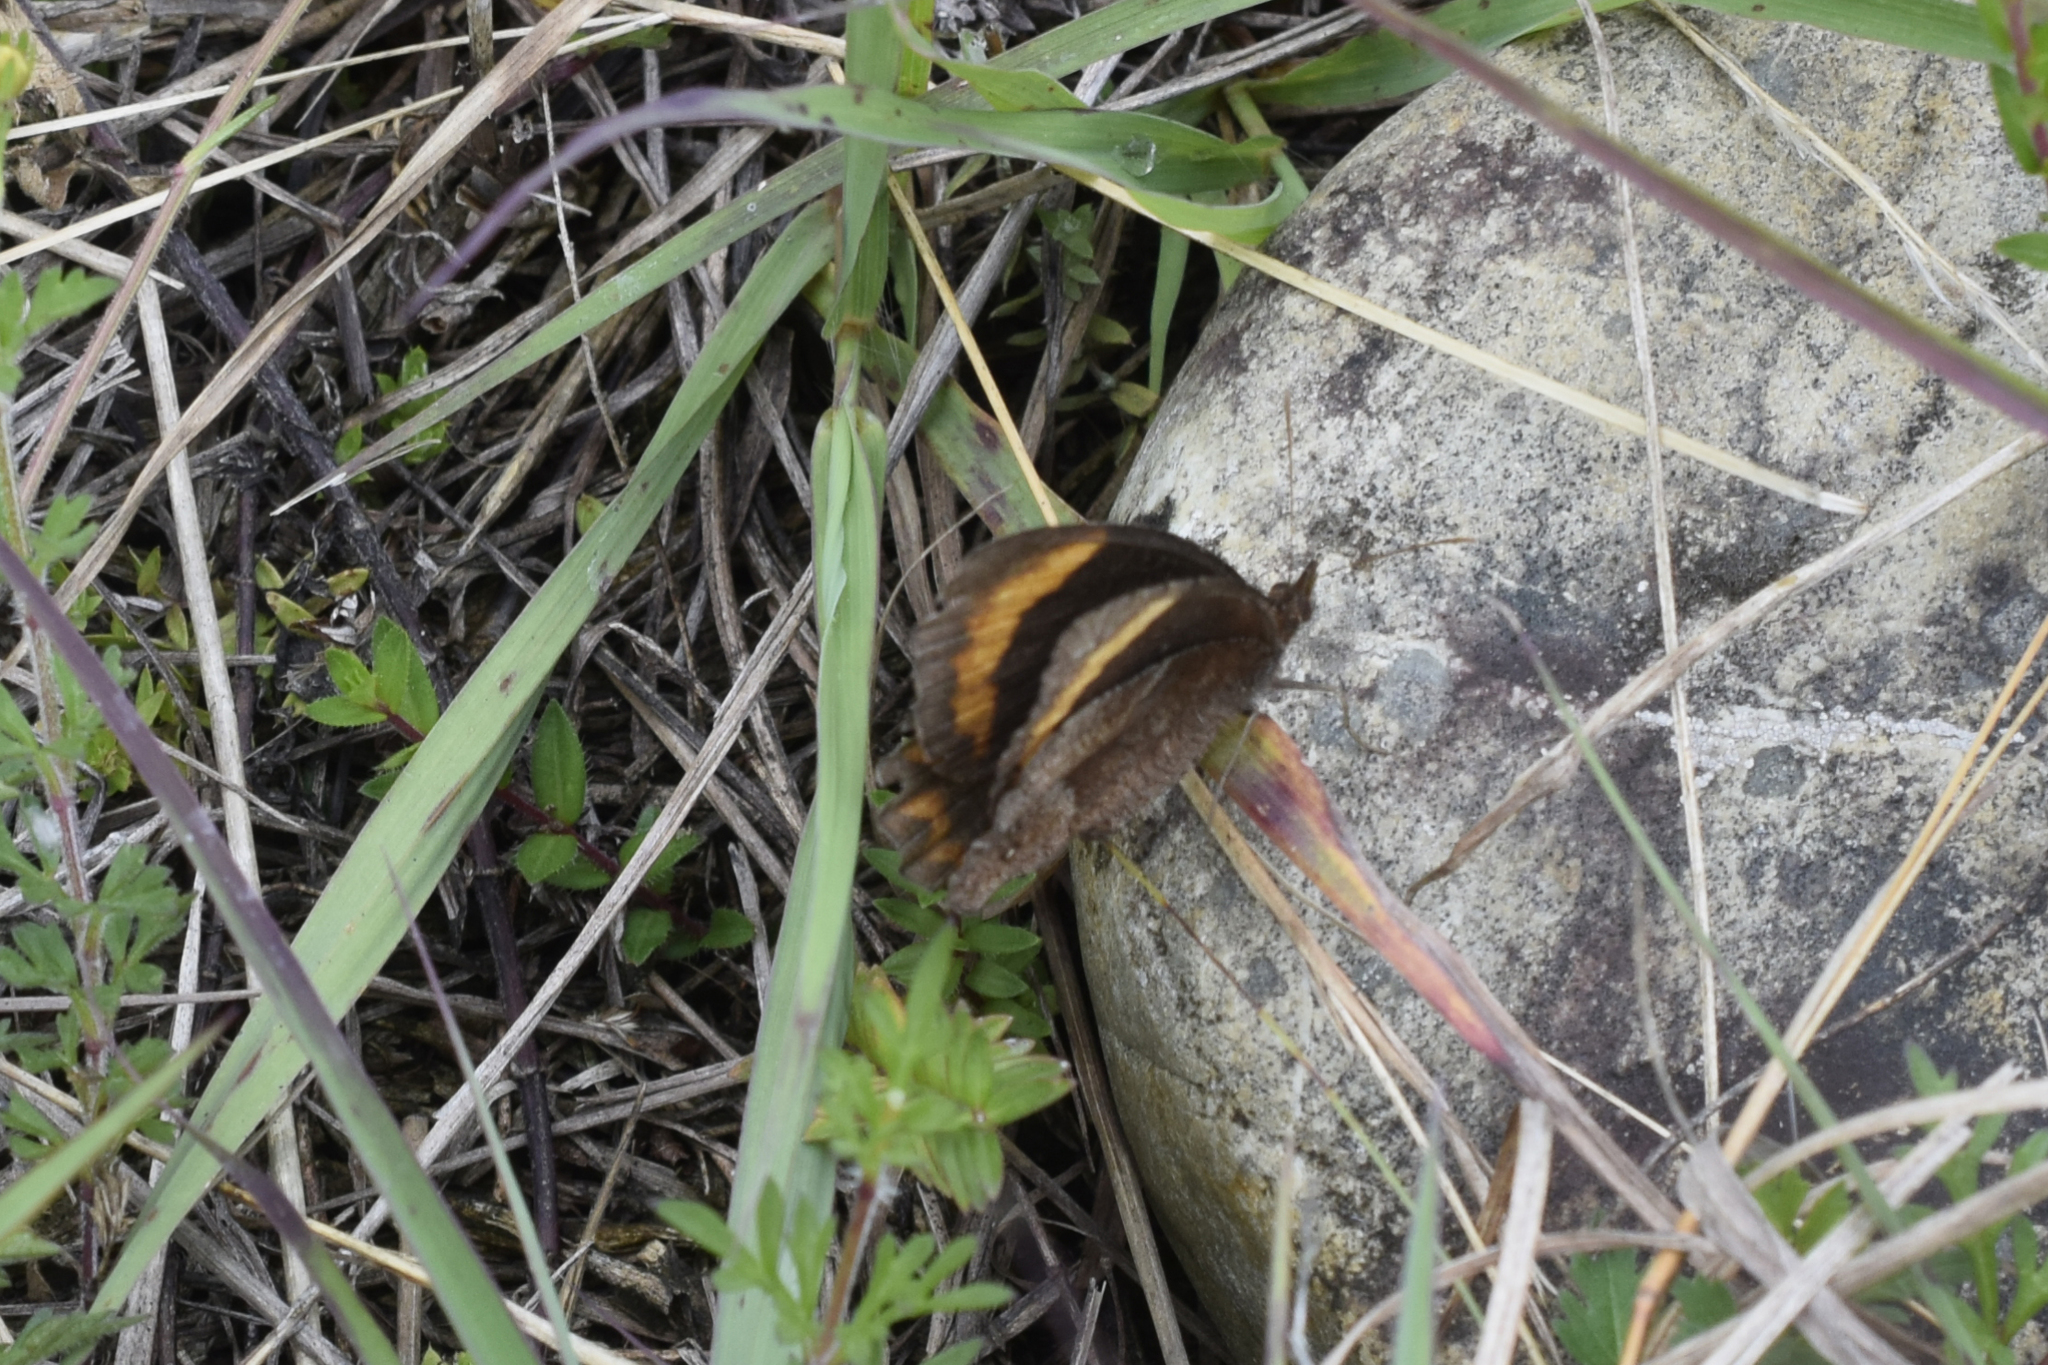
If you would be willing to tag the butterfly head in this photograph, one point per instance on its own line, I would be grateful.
(1294, 602)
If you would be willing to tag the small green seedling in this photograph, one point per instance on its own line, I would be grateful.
(427, 444)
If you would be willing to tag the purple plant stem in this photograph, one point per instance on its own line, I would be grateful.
(491, 900)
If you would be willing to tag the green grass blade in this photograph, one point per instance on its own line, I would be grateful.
(1171, 269)
(1377, 67)
(1113, 28)
(365, 1332)
(806, 1010)
(873, 55)
(416, 831)
(1939, 26)
(1137, 150)
(501, 1160)
(1415, 1328)
(27, 1197)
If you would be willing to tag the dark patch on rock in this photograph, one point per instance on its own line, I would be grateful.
(1776, 771)
(1263, 981)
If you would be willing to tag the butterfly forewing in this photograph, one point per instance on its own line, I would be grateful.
(980, 662)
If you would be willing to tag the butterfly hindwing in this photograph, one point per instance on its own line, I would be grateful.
(1135, 633)
(929, 821)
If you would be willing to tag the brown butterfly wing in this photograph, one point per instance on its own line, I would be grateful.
(980, 662)
(1133, 693)
(930, 822)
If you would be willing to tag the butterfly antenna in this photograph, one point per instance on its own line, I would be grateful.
(903, 580)
(1293, 522)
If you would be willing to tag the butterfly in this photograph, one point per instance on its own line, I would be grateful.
(1074, 673)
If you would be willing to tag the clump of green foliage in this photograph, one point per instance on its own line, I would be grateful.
(923, 1089)
(394, 690)
(998, 970)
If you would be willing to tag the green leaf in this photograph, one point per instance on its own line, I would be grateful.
(62, 294)
(543, 855)
(661, 874)
(1781, 1199)
(991, 982)
(32, 1135)
(287, 612)
(1104, 330)
(1704, 1303)
(646, 930)
(342, 713)
(40, 960)
(700, 1224)
(1593, 1309)
(1821, 1217)
(558, 774)
(64, 533)
(580, 875)
(2028, 248)
(914, 916)
(69, 1336)
(351, 677)
(401, 675)
(413, 367)
(1928, 1079)
(728, 929)
(994, 936)
(1134, 399)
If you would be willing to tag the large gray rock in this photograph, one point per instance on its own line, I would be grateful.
(1824, 734)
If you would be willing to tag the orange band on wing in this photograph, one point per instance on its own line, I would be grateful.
(991, 629)
(1062, 706)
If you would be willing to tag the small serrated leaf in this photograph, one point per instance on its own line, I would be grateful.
(580, 875)
(646, 930)
(342, 713)
(1594, 1311)
(557, 765)
(543, 855)
(729, 929)
(351, 677)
